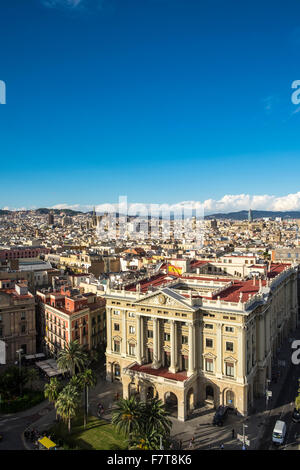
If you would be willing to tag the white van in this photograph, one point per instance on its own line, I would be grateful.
(279, 432)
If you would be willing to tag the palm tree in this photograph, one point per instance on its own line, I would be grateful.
(155, 416)
(52, 389)
(76, 382)
(145, 439)
(67, 404)
(127, 415)
(87, 379)
(71, 357)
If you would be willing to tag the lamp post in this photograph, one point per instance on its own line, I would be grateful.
(244, 426)
(19, 351)
(267, 392)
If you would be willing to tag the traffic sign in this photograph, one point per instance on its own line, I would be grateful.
(269, 393)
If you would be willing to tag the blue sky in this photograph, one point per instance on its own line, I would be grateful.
(160, 100)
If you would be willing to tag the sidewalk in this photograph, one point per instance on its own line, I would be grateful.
(256, 422)
(45, 415)
(211, 437)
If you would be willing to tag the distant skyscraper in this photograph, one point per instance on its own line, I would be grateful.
(250, 217)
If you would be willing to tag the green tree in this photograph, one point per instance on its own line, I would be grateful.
(76, 382)
(155, 417)
(127, 415)
(52, 390)
(11, 380)
(67, 404)
(145, 439)
(72, 357)
(87, 379)
(31, 375)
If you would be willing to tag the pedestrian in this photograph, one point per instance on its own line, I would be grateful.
(191, 444)
(222, 446)
(232, 434)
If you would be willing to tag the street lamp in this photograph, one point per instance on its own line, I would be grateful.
(267, 392)
(19, 351)
(244, 426)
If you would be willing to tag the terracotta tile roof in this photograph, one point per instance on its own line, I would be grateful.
(161, 372)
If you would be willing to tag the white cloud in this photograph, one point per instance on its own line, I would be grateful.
(228, 203)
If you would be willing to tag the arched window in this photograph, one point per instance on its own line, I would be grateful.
(209, 393)
(117, 370)
(230, 398)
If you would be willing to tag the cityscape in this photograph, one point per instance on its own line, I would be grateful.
(149, 234)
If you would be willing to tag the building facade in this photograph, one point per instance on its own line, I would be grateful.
(192, 339)
(17, 319)
(67, 315)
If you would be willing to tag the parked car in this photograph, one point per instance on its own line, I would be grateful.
(220, 415)
(296, 416)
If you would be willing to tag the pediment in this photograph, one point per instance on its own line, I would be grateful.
(166, 298)
(230, 359)
(209, 356)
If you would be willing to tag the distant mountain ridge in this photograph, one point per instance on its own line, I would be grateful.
(240, 215)
(243, 215)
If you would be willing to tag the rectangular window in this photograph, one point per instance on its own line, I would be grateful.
(150, 333)
(209, 365)
(116, 327)
(230, 329)
(23, 329)
(132, 349)
(167, 337)
(229, 346)
(208, 325)
(209, 343)
(23, 316)
(184, 339)
(131, 314)
(117, 312)
(229, 369)
(117, 346)
(132, 329)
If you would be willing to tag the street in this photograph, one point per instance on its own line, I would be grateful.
(282, 410)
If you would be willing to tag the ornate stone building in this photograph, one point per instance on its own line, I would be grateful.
(17, 319)
(195, 339)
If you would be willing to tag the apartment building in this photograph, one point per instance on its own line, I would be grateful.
(17, 319)
(193, 339)
(66, 315)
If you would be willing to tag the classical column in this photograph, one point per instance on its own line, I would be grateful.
(191, 365)
(173, 364)
(241, 353)
(156, 344)
(138, 338)
(219, 368)
(108, 329)
(142, 320)
(261, 329)
(124, 334)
